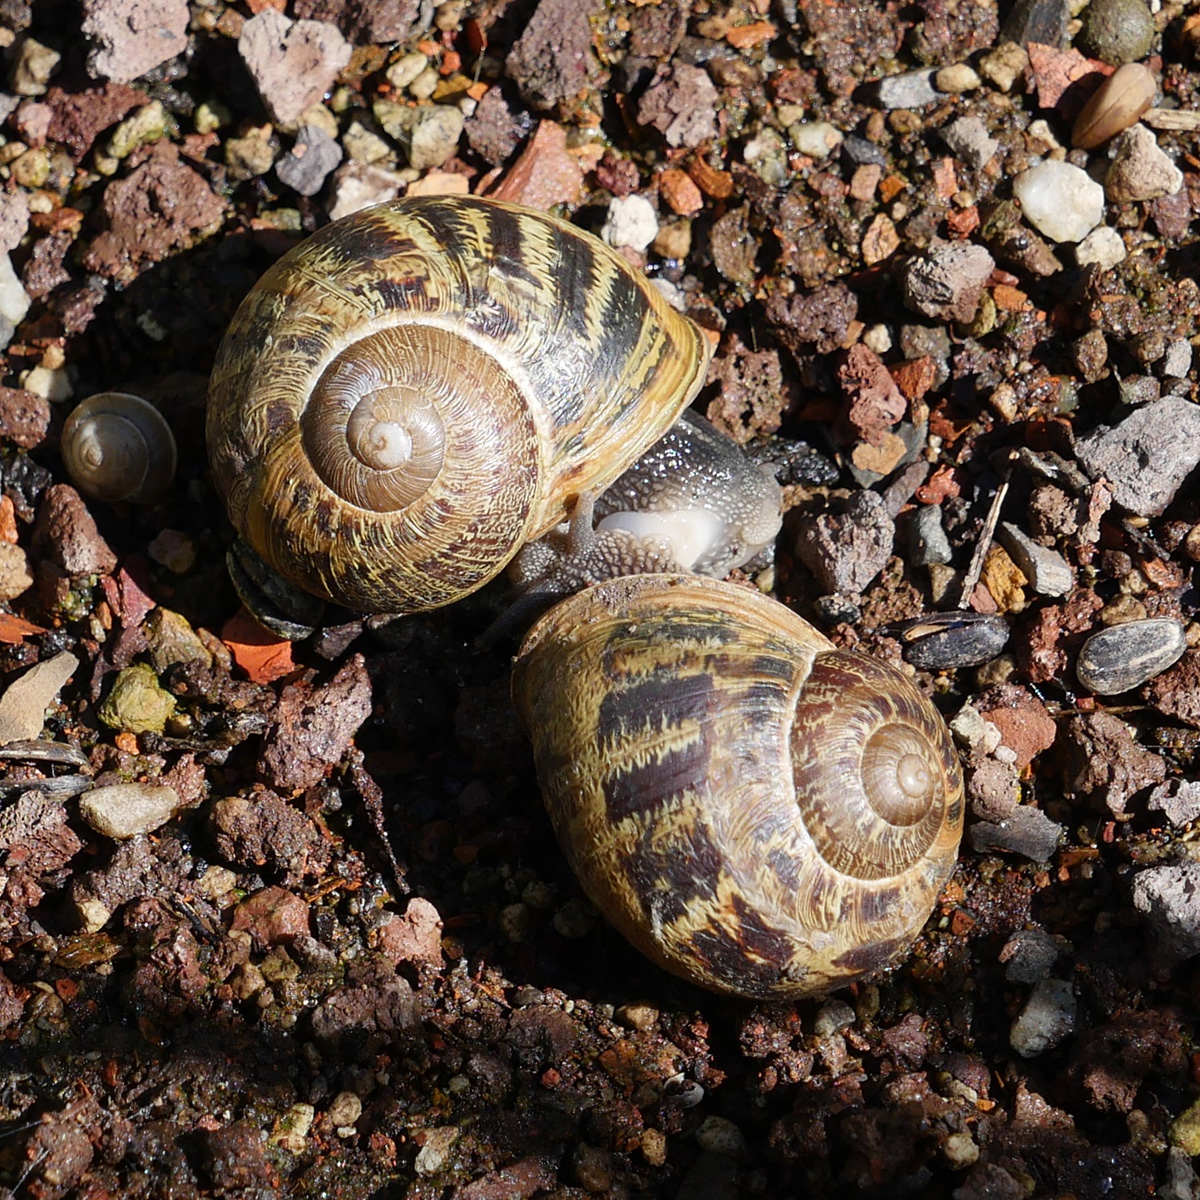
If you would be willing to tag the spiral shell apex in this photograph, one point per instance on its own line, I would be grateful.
(417, 390)
(117, 446)
(755, 810)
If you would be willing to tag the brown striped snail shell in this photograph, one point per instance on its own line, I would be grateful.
(755, 810)
(417, 390)
(117, 446)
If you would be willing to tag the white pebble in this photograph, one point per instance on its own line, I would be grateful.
(51, 383)
(631, 221)
(359, 185)
(877, 338)
(957, 78)
(1104, 246)
(832, 1017)
(671, 293)
(402, 72)
(817, 139)
(1177, 361)
(14, 300)
(126, 809)
(971, 730)
(1060, 201)
(436, 1148)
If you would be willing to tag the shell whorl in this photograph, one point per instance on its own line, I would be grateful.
(407, 397)
(870, 766)
(713, 809)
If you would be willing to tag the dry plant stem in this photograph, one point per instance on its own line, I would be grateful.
(984, 545)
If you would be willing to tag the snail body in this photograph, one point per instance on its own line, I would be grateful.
(693, 502)
(117, 446)
(755, 810)
(419, 389)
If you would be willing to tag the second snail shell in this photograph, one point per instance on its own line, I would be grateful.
(419, 389)
(757, 811)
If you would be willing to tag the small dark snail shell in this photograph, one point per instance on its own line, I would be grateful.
(117, 446)
(755, 810)
(419, 389)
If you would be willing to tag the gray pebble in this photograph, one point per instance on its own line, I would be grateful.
(947, 281)
(1147, 456)
(721, 1136)
(1140, 169)
(1049, 574)
(1127, 655)
(126, 809)
(1177, 799)
(1169, 899)
(993, 789)
(837, 610)
(1047, 1018)
(915, 439)
(860, 151)
(969, 140)
(953, 639)
(1029, 955)
(293, 63)
(832, 1017)
(1028, 832)
(912, 90)
(1040, 21)
(1116, 31)
(1180, 1181)
(927, 539)
(848, 546)
(304, 167)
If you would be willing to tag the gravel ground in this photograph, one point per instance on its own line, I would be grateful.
(949, 271)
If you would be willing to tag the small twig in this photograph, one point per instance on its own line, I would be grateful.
(983, 545)
(372, 798)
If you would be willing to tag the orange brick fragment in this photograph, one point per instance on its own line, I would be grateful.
(14, 630)
(915, 376)
(741, 37)
(1009, 298)
(962, 222)
(261, 654)
(8, 521)
(945, 177)
(714, 183)
(680, 192)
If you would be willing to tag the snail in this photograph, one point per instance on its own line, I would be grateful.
(117, 446)
(418, 390)
(755, 810)
(693, 502)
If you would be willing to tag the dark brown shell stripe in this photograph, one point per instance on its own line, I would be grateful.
(542, 310)
(661, 712)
